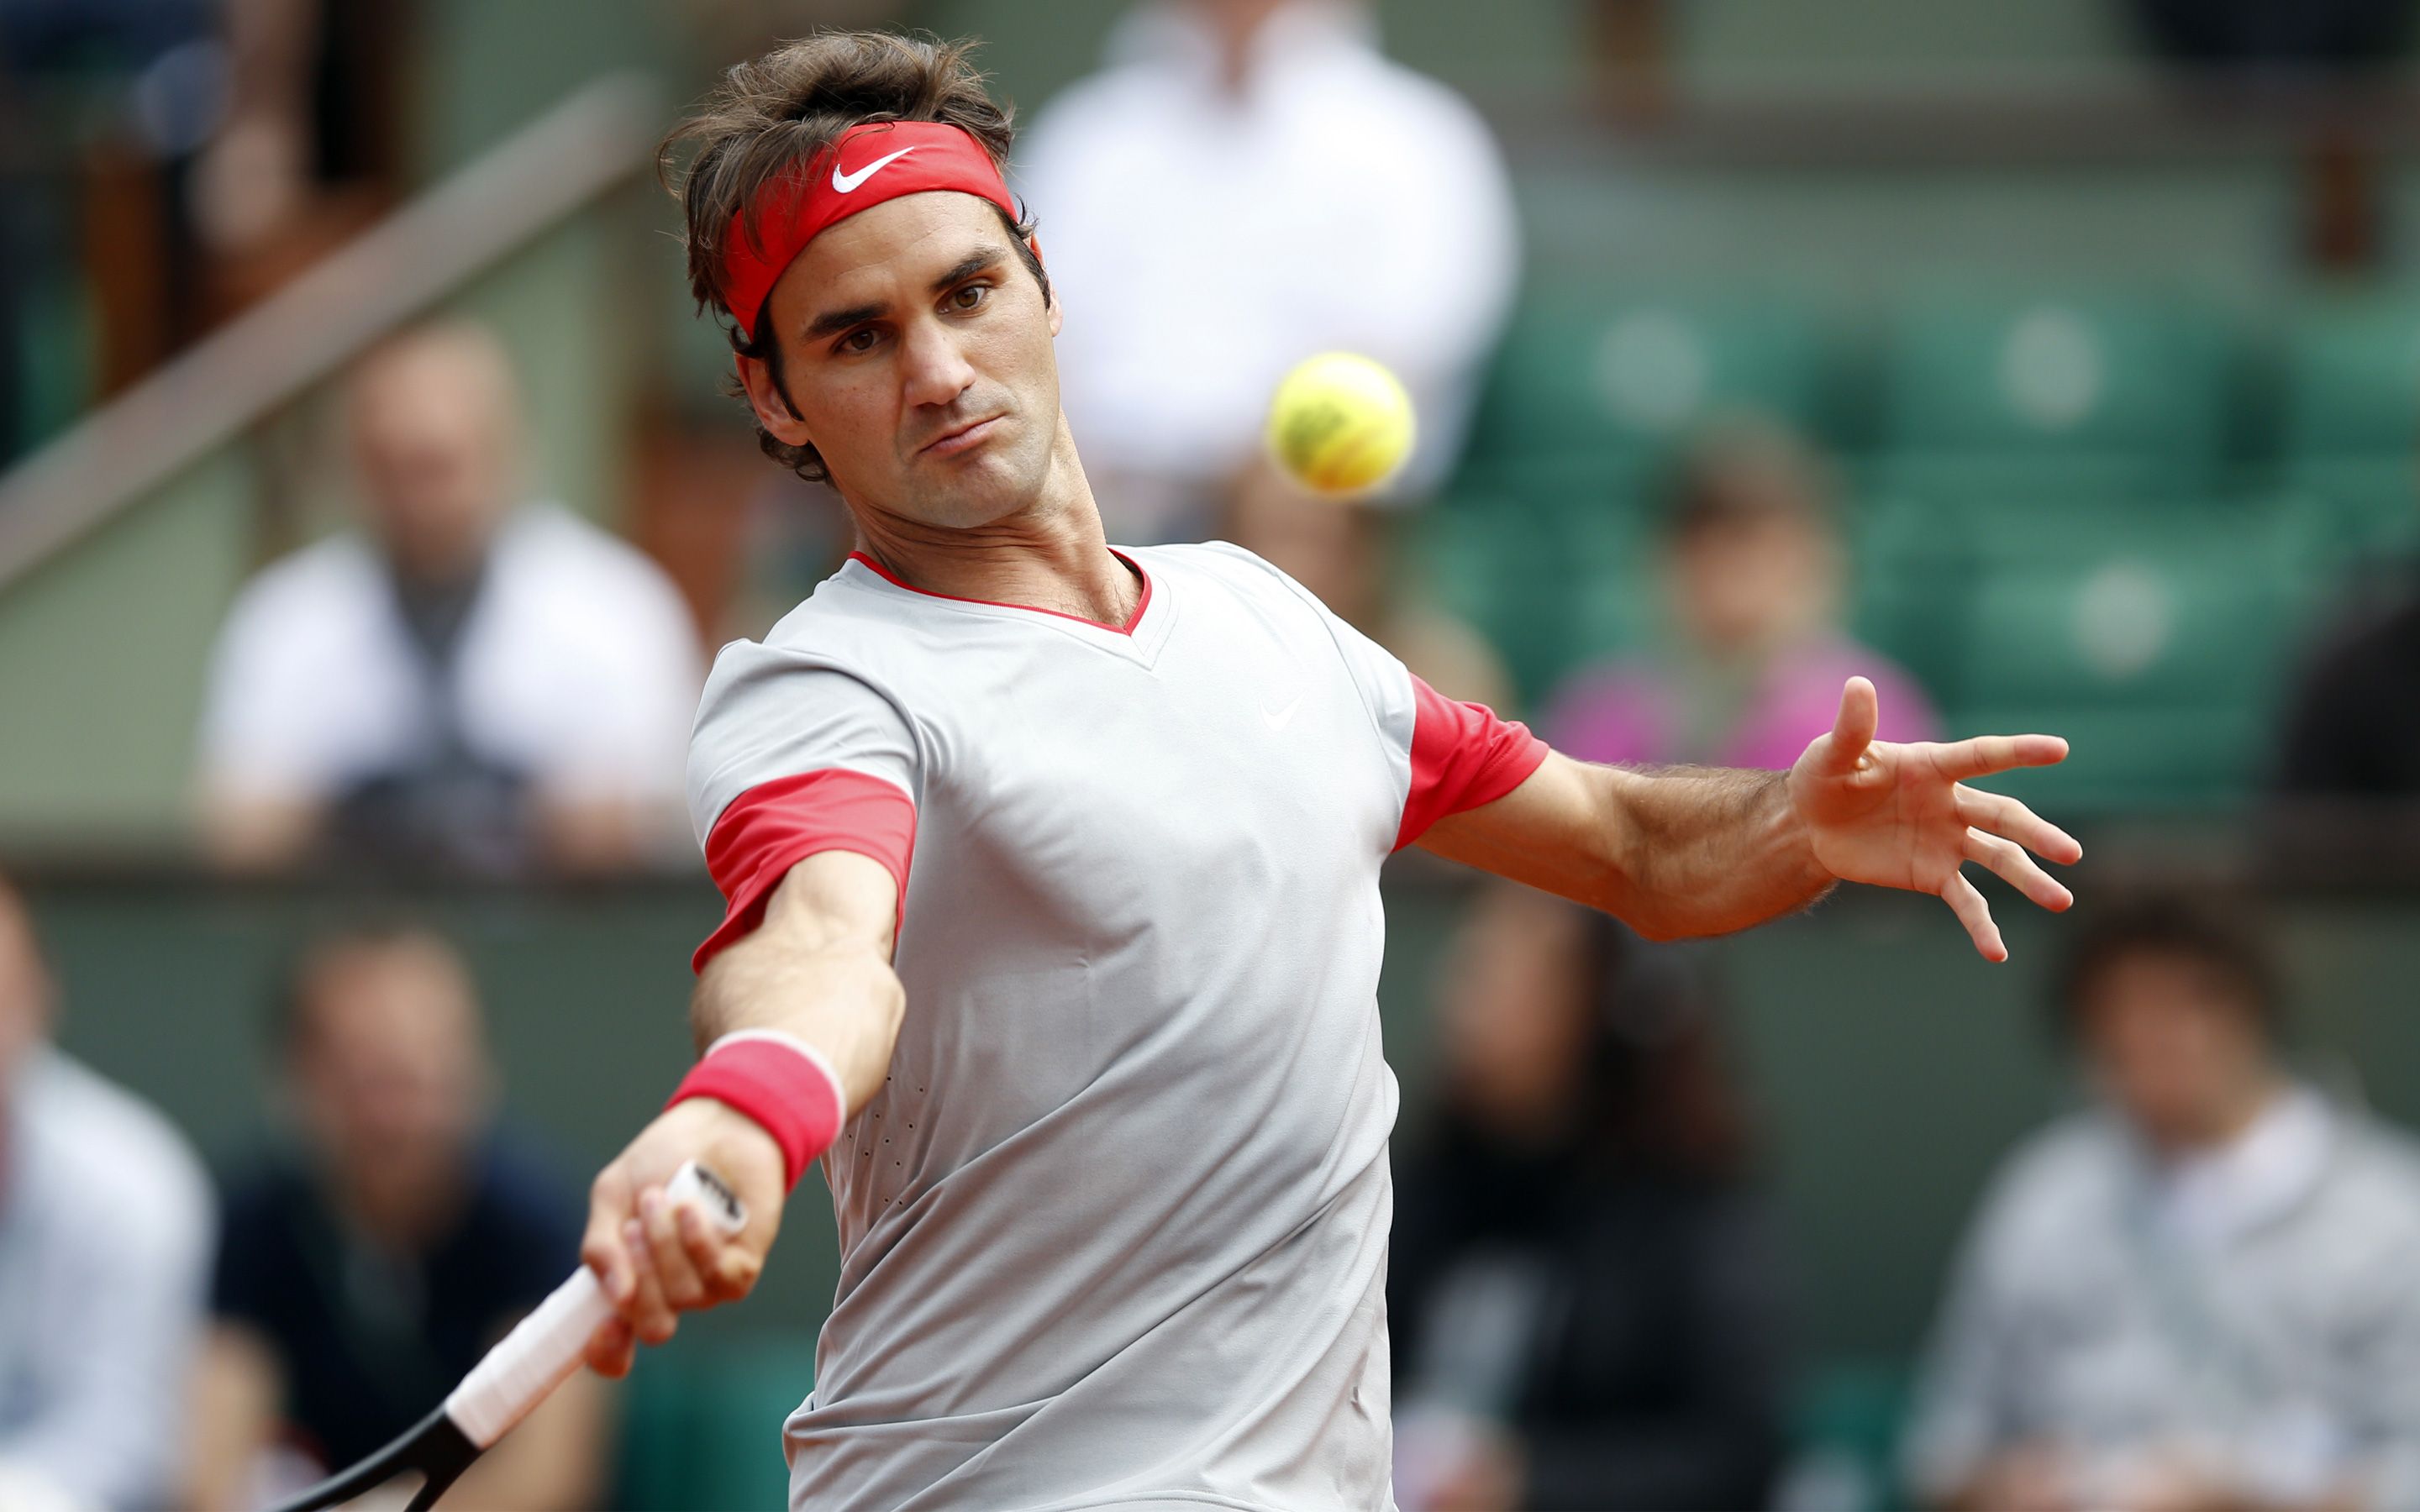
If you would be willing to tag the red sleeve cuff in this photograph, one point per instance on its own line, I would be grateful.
(1463, 756)
(774, 825)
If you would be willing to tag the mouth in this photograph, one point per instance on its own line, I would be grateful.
(964, 439)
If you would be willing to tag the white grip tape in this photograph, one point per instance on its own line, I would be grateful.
(547, 1345)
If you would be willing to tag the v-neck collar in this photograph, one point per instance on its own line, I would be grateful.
(1140, 638)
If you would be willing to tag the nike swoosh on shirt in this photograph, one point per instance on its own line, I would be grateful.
(1280, 719)
(847, 182)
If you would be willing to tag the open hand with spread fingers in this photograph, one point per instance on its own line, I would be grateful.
(1902, 816)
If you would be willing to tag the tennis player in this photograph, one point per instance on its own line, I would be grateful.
(1052, 871)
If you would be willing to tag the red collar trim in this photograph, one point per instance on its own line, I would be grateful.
(1141, 605)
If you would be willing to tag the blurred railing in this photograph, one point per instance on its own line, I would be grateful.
(264, 359)
(123, 542)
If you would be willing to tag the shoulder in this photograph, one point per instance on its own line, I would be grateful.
(1225, 566)
(2053, 1179)
(1221, 570)
(547, 547)
(2378, 1166)
(838, 630)
(1816, 674)
(2368, 647)
(116, 1158)
(1420, 101)
(1073, 123)
(256, 1194)
(330, 577)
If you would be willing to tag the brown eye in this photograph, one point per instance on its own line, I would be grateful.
(969, 297)
(856, 341)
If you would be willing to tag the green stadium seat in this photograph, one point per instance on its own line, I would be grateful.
(2108, 375)
(2352, 379)
(2156, 650)
(1922, 536)
(1591, 370)
(2131, 482)
(1909, 563)
(2196, 760)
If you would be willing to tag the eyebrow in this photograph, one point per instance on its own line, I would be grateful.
(968, 265)
(832, 322)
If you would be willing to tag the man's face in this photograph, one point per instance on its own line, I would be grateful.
(2173, 1046)
(1746, 582)
(388, 1065)
(917, 348)
(432, 436)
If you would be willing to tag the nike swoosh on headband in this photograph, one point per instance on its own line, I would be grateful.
(847, 182)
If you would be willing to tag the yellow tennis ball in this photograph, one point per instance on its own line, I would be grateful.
(1340, 423)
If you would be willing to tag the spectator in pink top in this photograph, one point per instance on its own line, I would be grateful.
(1750, 670)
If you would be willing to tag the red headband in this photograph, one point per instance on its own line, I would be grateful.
(870, 164)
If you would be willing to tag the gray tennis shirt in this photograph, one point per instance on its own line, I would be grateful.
(1114, 1233)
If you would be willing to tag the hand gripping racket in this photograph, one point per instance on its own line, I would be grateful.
(517, 1375)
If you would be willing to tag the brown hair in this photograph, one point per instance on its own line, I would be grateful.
(1745, 466)
(773, 113)
(2215, 933)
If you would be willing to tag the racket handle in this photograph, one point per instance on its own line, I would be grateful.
(544, 1348)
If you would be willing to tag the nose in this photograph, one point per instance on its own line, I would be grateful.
(934, 370)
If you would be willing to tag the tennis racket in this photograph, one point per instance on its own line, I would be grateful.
(517, 1375)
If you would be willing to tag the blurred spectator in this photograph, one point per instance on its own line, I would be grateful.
(1752, 668)
(1248, 183)
(469, 683)
(363, 1273)
(1584, 1295)
(2347, 779)
(2198, 1293)
(311, 146)
(1342, 551)
(104, 1235)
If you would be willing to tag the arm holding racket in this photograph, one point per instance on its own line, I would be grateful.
(815, 974)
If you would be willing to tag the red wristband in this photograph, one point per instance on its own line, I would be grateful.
(780, 1083)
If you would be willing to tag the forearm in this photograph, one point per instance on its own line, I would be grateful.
(1675, 852)
(814, 970)
(1693, 850)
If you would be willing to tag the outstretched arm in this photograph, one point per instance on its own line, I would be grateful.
(1691, 851)
(817, 969)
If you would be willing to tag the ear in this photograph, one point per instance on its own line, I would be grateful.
(765, 398)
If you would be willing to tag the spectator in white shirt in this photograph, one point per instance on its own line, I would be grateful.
(471, 682)
(2197, 1295)
(1248, 183)
(104, 1248)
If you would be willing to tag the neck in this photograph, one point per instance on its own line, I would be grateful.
(402, 1209)
(1049, 554)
